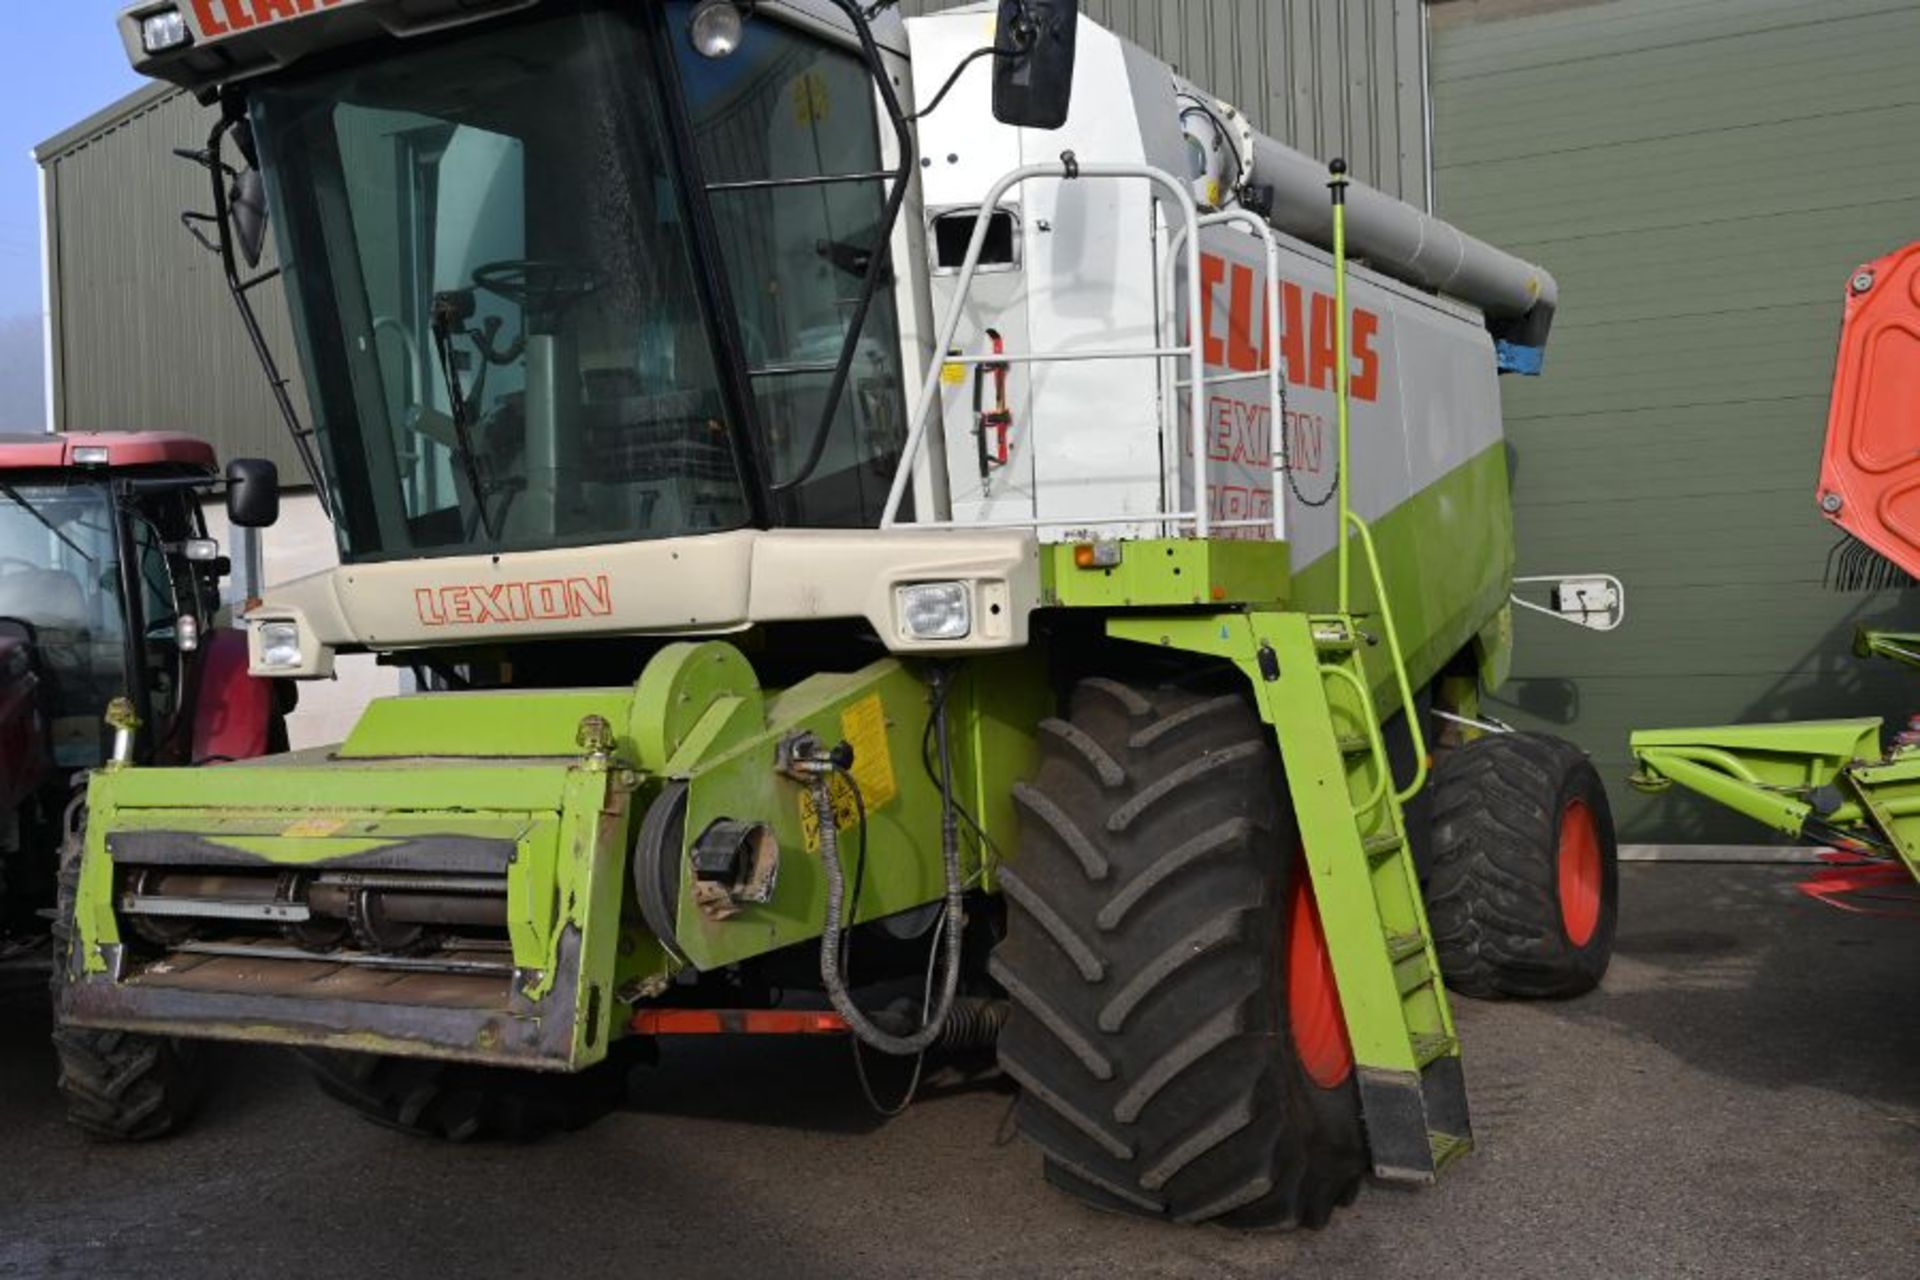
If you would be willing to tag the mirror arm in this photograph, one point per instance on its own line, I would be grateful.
(232, 118)
(878, 264)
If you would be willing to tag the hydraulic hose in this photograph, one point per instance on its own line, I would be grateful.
(952, 936)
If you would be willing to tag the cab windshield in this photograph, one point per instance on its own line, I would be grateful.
(512, 336)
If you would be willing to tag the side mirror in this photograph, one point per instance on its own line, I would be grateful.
(253, 493)
(1033, 84)
(247, 205)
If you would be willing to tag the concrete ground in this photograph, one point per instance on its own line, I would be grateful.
(1742, 1099)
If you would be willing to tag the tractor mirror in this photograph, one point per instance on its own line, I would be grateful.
(1033, 73)
(247, 204)
(253, 493)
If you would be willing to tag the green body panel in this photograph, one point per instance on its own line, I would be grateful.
(1449, 593)
(1169, 571)
(991, 732)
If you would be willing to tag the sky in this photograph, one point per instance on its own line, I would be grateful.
(61, 61)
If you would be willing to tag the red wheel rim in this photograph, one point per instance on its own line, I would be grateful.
(1579, 872)
(1313, 1001)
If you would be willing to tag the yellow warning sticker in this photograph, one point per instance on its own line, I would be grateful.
(953, 375)
(312, 828)
(864, 726)
(812, 100)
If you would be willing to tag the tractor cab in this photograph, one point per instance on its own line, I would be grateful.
(107, 578)
(109, 588)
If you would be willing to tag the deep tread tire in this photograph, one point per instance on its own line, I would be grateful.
(1493, 895)
(118, 1085)
(460, 1102)
(1145, 959)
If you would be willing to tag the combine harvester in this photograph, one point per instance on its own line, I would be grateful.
(849, 548)
(1837, 782)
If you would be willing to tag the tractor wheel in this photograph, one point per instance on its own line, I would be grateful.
(460, 1102)
(1524, 886)
(1175, 1029)
(118, 1085)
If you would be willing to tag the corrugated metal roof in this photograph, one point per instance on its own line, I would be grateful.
(103, 122)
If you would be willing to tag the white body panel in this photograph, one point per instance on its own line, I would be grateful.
(1095, 440)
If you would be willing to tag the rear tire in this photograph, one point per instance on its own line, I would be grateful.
(1524, 889)
(461, 1102)
(118, 1085)
(1150, 911)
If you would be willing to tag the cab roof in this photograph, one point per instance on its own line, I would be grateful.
(230, 40)
(124, 450)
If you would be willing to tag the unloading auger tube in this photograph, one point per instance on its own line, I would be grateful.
(1392, 236)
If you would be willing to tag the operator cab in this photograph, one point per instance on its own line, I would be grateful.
(566, 280)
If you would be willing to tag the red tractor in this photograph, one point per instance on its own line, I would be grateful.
(110, 602)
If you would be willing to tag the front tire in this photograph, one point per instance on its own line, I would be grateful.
(1174, 1031)
(119, 1086)
(461, 1102)
(1524, 891)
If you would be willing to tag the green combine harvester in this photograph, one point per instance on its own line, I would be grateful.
(908, 530)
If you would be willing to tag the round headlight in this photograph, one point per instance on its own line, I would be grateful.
(717, 28)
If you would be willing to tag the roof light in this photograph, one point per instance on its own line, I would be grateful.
(717, 28)
(163, 31)
(91, 455)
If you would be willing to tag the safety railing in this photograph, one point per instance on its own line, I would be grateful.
(1192, 353)
(1276, 383)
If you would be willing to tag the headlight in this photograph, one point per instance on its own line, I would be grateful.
(936, 610)
(279, 644)
(162, 31)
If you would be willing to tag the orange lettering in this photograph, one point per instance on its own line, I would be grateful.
(1212, 271)
(210, 26)
(1366, 380)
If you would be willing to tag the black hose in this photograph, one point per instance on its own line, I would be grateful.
(953, 937)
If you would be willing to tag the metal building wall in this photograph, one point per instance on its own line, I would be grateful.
(1702, 178)
(1329, 77)
(144, 334)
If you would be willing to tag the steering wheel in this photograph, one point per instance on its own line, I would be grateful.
(538, 287)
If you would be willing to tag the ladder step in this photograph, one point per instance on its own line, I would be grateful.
(1379, 848)
(1447, 1148)
(1430, 1047)
(1416, 974)
(1355, 744)
(1402, 946)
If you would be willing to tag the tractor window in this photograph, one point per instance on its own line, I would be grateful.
(60, 578)
(788, 108)
(494, 287)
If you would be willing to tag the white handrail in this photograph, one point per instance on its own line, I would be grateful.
(1194, 350)
(1276, 386)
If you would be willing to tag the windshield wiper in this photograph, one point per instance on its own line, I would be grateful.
(13, 495)
(451, 310)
